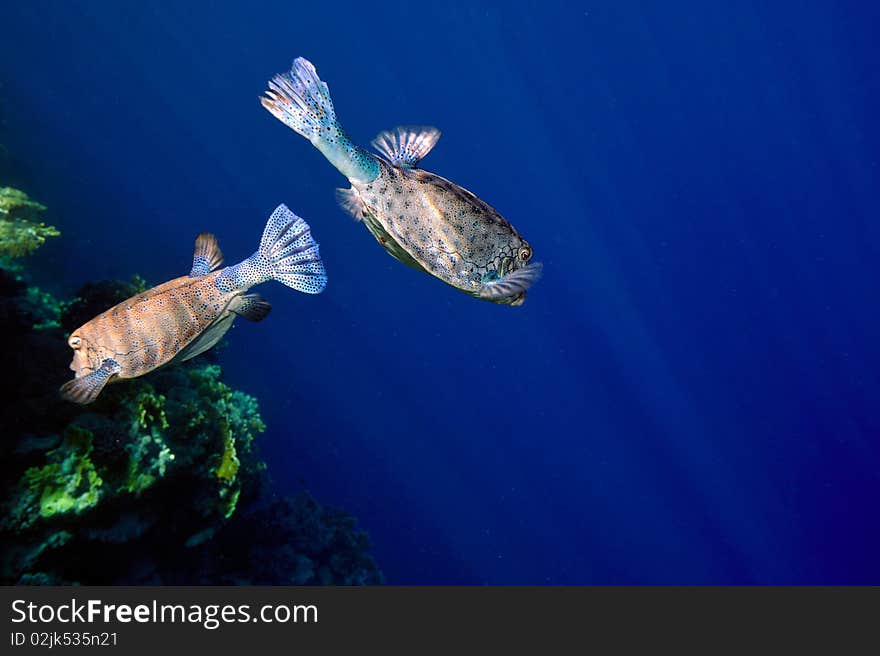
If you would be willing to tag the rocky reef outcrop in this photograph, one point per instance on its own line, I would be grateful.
(159, 481)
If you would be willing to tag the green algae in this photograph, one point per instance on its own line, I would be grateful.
(67, 483)
(21, 233)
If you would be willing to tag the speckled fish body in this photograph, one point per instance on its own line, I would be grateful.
(184, 317)
(153, 328)
(435, 225)
(420, 218)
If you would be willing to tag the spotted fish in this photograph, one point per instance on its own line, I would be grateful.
(186, 316)
(421, 219)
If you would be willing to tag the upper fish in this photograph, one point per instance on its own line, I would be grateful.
(420, 218)
(184, 317)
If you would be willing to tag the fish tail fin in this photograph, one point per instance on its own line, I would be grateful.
(288, 253)
(301, 100)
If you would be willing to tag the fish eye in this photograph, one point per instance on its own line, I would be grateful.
(74, 342)
(525, 253)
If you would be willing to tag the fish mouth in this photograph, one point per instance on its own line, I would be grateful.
(511, 288)
(85, 359)
(506, 267)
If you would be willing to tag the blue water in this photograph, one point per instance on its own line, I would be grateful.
(689, 395)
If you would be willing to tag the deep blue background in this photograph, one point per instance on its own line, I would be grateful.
(689, 395)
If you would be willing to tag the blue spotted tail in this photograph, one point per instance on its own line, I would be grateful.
(288, 253)
(301, 100)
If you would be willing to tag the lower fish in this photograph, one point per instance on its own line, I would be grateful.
(186, 316)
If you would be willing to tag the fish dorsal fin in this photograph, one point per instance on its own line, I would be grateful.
(406, 145)
(207, 255)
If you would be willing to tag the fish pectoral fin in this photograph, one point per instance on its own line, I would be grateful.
(252, 307)
(406, 145)
(508, 288)
(351, 203)
(207, 255)
(86, 389)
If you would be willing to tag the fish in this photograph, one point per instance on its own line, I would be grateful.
(420, 218)
(186, 316)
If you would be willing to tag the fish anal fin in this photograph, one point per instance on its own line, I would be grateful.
(406, 145)
(206, 256)
(390, 244)
(349, 200)
(252, 307)
(85, 389)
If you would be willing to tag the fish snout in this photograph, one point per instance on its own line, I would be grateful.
(85, 355)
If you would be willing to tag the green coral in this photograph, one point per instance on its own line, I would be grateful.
(36, 308)
(67, 483)
(150, 453)
(15, 204)
(199, 421)
(231, 418)
(229, 462)
(236, 417)
(232, 503)
(197, 427)
(45, 308)
(21, 233)
(168, 459)
(150, 410)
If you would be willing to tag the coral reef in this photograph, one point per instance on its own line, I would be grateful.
(157, 482)
(67, 483)
(21, 233)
